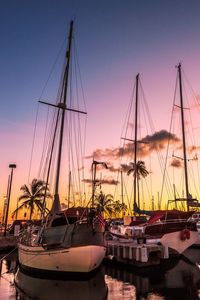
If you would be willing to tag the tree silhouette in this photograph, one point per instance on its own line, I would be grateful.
(33, 196)
(104, 202)
(140, 171)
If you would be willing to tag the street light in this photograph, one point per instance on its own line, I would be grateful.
(11, 166)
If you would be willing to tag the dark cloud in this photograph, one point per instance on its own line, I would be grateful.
(106, 181)
(123, 167)
(110, 181)
(148, 144)
(193, 148)
(176, 163)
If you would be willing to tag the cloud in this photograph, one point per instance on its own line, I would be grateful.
(176, 163)
(146, 145)
(123, 167)
(193, 148)
(106, 181)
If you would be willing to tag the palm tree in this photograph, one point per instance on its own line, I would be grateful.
(140, 171)
(104, 202)
(119, 207)
(33, 196)
(123, 208)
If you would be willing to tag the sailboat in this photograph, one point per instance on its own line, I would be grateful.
(173, 228)
(70, 240)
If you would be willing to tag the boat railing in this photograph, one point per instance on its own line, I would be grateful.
(170, 221)
(28, 235)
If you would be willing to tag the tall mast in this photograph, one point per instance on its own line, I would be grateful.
(135, 148)
(62, 107)
(183, 134)
(56, 203)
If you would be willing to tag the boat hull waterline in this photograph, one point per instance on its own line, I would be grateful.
(75, 259)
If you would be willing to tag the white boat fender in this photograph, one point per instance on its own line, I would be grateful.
(137, 253)
(166, 252)
(143, 254)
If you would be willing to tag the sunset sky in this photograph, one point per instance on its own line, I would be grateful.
(115, 40)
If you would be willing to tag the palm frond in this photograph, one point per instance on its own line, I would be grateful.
(22, 197)
(25, 189)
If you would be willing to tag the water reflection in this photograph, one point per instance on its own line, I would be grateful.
(181, 281)
(8, 267)
(178, 279)
(41, 288)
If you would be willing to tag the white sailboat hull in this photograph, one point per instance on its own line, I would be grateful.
(76, 259)
(173, 240)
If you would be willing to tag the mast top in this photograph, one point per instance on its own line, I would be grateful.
(178, 66)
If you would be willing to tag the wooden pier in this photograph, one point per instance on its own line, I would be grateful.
(132, 254)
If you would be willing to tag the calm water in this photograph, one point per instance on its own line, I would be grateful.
(174, 280)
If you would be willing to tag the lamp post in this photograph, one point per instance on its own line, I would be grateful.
(11, 166)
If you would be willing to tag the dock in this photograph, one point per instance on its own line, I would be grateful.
(132, 254)
(7, 243)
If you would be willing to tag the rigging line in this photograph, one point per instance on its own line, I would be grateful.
(75, 139)
(129, 112)
(44, 143)
(145, 120)
(83, 95)
(192, 136)
(148, 191)
(52, 68)
(33, 143)
(129, 205)
(132, 194)
(191, 171)
(142, 194)
(77, 155)
(190, 87)
(79, 70)
(5, 256)
(159, 154)
(76, 185)
(126, 123)
(78, 139)
(188, 104)
(46, 148)
(194, 95)
(168, 139)
(79, 125)
(48, 141)
(84, 152)
(52, 173)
